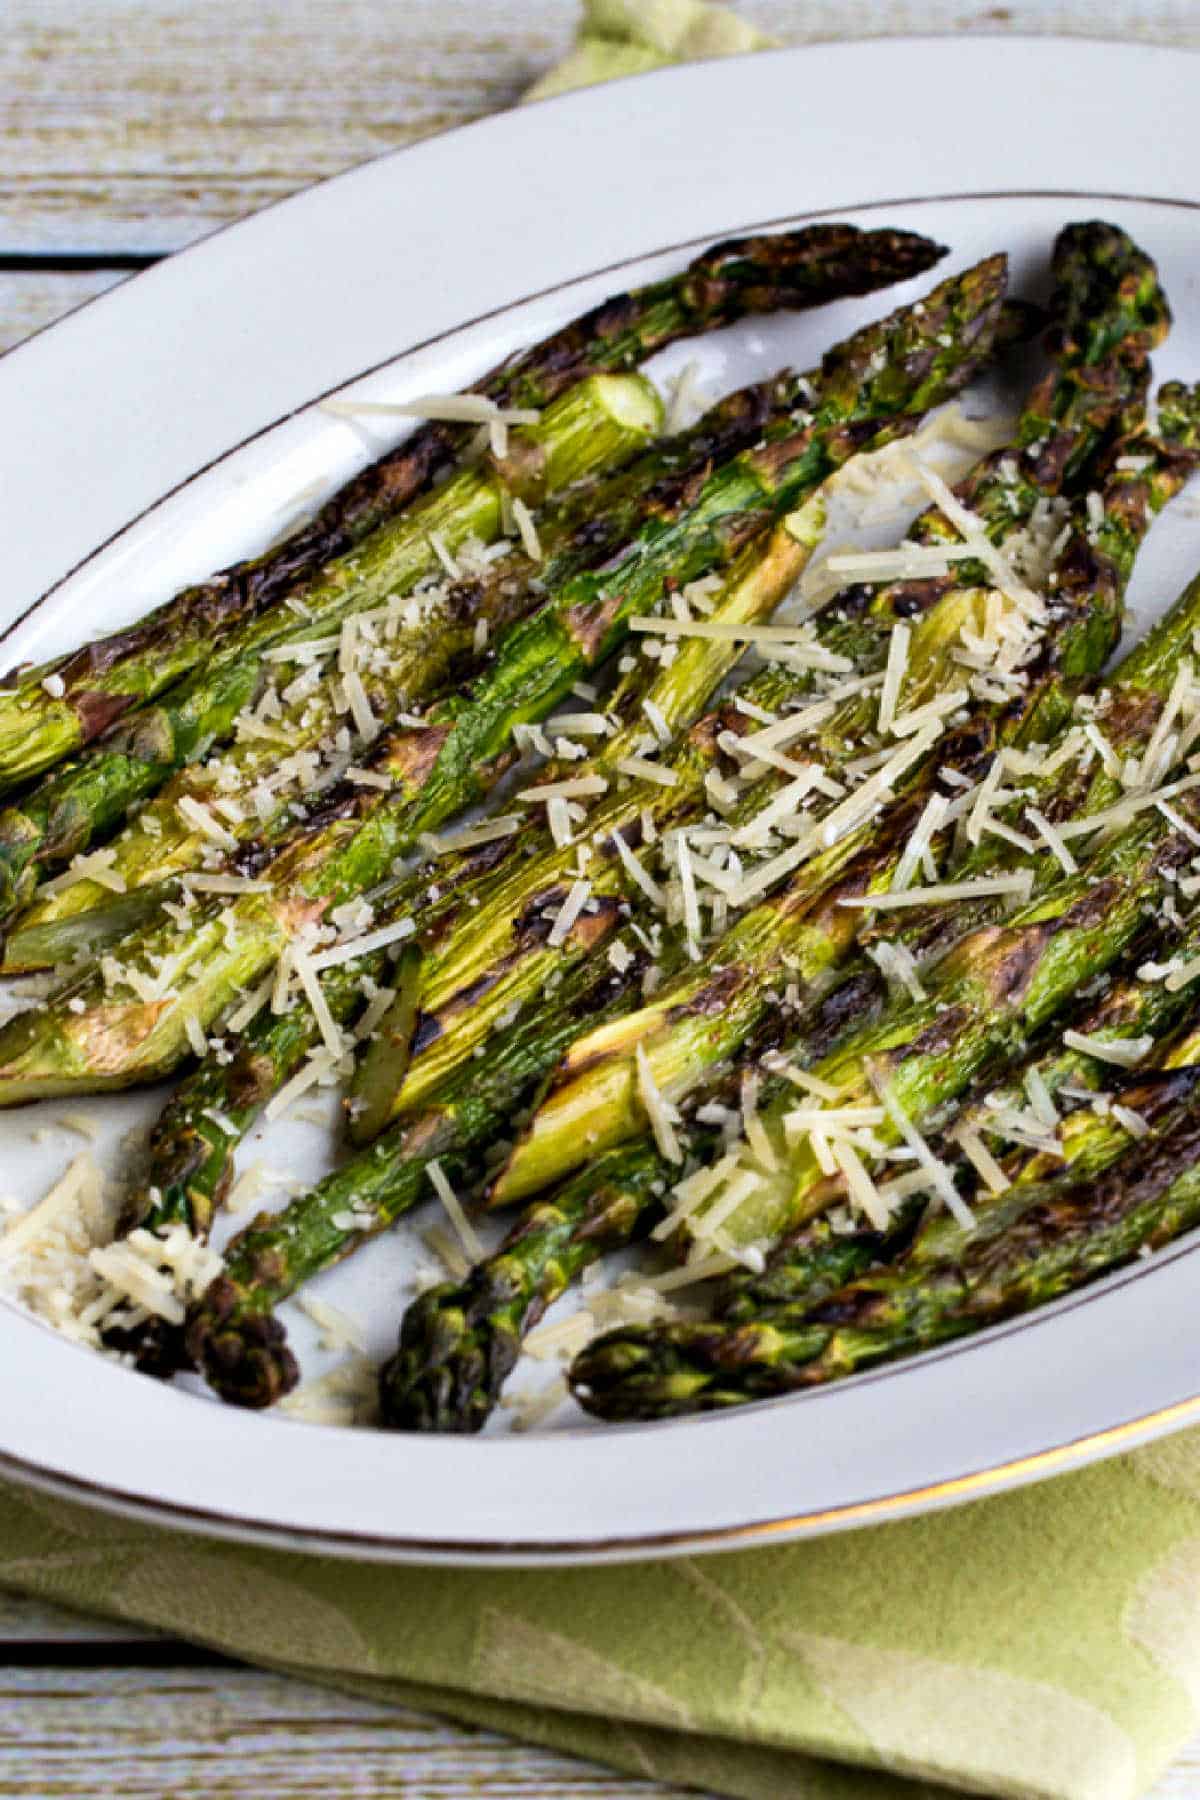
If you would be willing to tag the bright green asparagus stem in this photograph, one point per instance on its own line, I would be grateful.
(232, 1334)
(501, 950)
(96, 685)
(588, 524)
(698, 522)
(597, 424)
(459, 1342)
(703, 1016)
(1037, 1243)
(823, 1254)
(1076, 400)
(986, 999)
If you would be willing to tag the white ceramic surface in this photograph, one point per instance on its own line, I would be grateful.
(195, 381)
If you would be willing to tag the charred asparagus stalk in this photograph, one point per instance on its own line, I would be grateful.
(600, 422)
(702, 1017)
(88, 690)
(696, 523)
(823, 1255)
(1043, 1240)
(1100, 342)
(460, 1341)
(232, 1334)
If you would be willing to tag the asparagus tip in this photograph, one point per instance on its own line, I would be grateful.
(156, 1348)
(242, 1354)
(447, 1373)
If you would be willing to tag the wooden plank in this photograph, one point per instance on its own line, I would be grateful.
(427, 1750)
(144, 1734)
(141, 124)
(133, 124)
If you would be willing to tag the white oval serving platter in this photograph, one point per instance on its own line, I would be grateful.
(172, 424)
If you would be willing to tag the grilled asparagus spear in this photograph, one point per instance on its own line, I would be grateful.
(1040, 1241)
(599, 423)
(704, 1015)
(1100, 341)
(232, 1334)
(460, 1341)
(88, 690)
(695, 524)
(855, 631)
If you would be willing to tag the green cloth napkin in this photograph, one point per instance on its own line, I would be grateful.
(1044, 1643)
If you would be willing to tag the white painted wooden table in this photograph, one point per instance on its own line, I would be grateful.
(127, 129)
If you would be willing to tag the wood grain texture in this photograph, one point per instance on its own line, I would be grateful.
(134, 124)
(246, 1735)
(146, 1734)
(141, 124)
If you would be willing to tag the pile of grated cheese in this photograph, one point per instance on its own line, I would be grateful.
(59, 1259)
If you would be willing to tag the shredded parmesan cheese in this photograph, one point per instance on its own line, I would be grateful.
(199, 816)
(943, 893)
(467, 1236)
(656, 1110)
(449, 843)
(642, 770)
(893, 675)
(527, 530)
(580, 787)
(572, 906)
(982, 1160)
(362, 946)
(1126, 1053)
